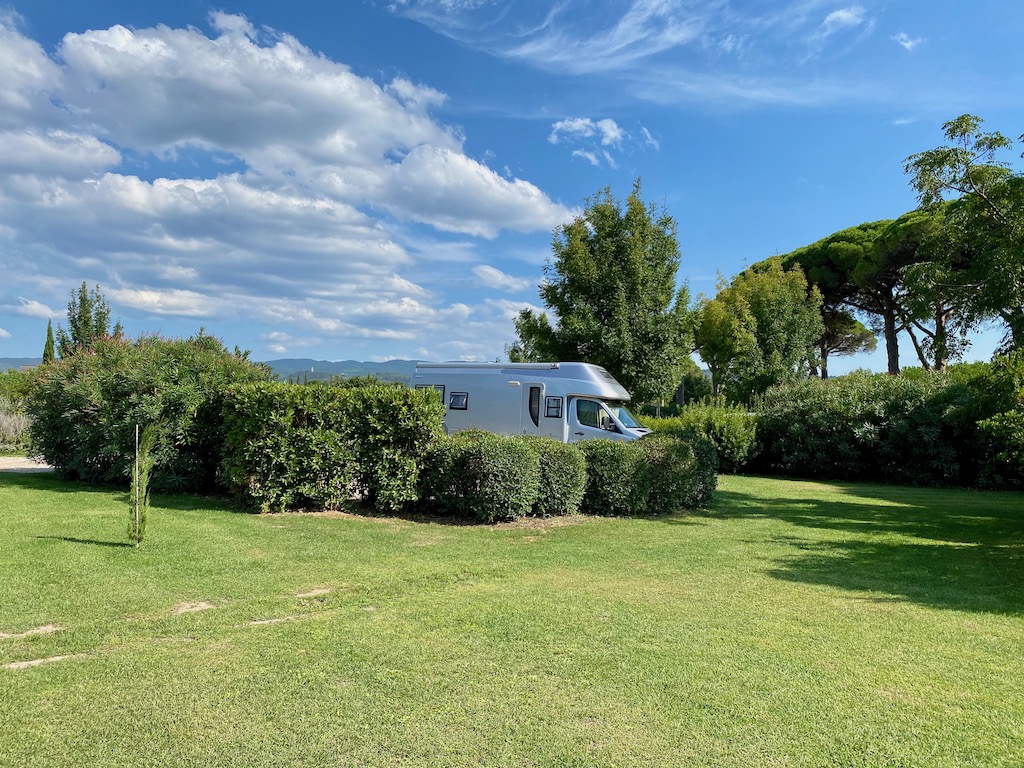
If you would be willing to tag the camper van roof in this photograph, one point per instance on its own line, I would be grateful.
(578, 371)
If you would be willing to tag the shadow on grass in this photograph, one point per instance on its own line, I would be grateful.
(94, 542)
(961, 550)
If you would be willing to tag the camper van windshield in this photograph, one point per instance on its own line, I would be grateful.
(621, 413)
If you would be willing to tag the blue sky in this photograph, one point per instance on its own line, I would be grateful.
(380, 178)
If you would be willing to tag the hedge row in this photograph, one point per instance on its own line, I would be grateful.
(491, 477)
(959, 427)
(290, 446)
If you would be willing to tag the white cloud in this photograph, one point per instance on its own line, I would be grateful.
(650, 140)
(906, 41)
(575, 128)
(299, 194)
(843, 18)
(492, 277)
(172, 302)
(454, 193)
(590, 157)
(4, 334)
(670, 51)
(33, 308)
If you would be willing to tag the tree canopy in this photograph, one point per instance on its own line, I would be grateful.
(759, 330)
(984, 221)
(88, 321)
(611, 293)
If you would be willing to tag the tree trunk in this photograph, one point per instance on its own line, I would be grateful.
(940, 343)
(1014, 319)
(892, 347)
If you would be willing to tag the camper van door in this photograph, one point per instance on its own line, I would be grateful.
(590, 420)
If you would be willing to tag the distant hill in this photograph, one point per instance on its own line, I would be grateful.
(6, 363)
(310, 370)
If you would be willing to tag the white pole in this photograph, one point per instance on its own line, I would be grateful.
(136, 484)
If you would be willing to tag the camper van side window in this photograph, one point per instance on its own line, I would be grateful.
(552, 407)
(458, 401)
(535, 405)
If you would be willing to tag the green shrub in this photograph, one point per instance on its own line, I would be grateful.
(15, 386)
(85, 407)
(483, 475)
(391, 429)
(563, 475)
(287, 447)
(290, 446)
(918, 429)
(731, 428)
(1001, 434)
(613, 479)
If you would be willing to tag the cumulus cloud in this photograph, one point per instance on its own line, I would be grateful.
(32, 308)
(239, 174)
(495, 278)
(4, 334)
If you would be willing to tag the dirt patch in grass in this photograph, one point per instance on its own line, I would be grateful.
(261, 622)
(38, 662)
(48, 629)
(318, 592)
(191, 607)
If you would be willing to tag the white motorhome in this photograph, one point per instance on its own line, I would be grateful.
(566, 401)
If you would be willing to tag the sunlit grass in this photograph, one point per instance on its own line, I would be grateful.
(794, 624)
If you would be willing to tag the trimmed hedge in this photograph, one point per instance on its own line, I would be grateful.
(291, 446)
(731, 428)
(483, 475)
(563, 476)
(613, 474)
(85, 407)
(678, 471)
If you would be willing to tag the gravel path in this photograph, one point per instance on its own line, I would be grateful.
(22, 464)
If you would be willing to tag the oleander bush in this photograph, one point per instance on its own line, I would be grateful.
(731, 428)
(85, 408)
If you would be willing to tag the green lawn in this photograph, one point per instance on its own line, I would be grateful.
(795, 624)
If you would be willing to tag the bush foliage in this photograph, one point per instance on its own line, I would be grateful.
(730, 428)
(290, 446)
(563, 475)
(483, 475)
(84, 409)
(919, 427)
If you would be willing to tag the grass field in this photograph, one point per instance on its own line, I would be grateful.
(794, 624)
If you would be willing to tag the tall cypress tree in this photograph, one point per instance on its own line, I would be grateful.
(48, 348)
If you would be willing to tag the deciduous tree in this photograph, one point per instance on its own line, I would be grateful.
(759, 330)
(985, 220)
(611, 292)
